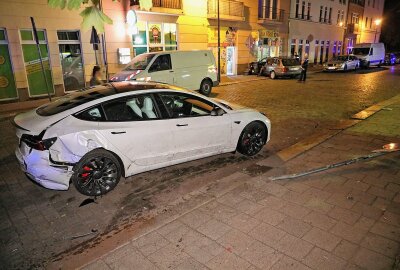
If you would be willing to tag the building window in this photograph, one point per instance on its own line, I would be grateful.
(338, 17)
(330, 15)
(373, 3)
(71, 59)
(36, 82)
(321, 56)
(316, 51)
(293, 47)
(334, 48)
(370, 23)
(320, 13)
(154, 37)
(297, 8)
(339, 50)
(309, 11)
(7, 82)
(325, 14)
(366, 22)
(354, 18)
(342, 18)
(327, 50)
(303, 9)
(300, 50)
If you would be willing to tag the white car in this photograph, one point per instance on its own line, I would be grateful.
(93, 137)
(343, 63)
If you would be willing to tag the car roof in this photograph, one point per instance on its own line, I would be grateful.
(129, 86)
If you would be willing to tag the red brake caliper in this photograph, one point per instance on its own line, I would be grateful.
(86, 173)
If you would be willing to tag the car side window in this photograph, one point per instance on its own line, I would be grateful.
(185, 105)
(132, 108)
(269, 61)
(93, 114)
(162, 62)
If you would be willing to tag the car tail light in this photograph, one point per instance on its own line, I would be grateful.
(37, 143)
(285, 69)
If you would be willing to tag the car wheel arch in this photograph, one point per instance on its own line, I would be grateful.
(248, 123)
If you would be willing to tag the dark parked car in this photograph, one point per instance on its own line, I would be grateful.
(390, 59)
(255, 67)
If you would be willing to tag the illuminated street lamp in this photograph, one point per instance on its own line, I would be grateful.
(377, 22)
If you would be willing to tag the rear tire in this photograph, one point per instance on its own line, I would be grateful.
(252, 139)
(97, 173)
(205, 87)
(272, 75)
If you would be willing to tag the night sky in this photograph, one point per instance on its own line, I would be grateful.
(391, 25)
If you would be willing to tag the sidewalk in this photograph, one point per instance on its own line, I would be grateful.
(347, 218)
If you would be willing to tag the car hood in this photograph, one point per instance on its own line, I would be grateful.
(336, 62)
(234, 106)
(122, 75)
(31, 122)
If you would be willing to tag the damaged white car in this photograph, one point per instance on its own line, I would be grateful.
(93, 137)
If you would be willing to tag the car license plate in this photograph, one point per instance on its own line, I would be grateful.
(294, 69)
(331, 68)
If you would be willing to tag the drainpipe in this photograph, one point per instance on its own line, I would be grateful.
(219, 43)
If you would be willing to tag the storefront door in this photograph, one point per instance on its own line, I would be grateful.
(36, 81)
(7, 82)
(230, 60)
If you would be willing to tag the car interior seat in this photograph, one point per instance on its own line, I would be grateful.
(135, 108)
(147, 108)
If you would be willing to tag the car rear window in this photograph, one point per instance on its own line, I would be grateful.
(75, 99)
(290, 62)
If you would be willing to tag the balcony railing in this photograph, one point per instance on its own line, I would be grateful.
(268, 13)
(300, 16)
(173, 4)
(352, 28)
(226, 7)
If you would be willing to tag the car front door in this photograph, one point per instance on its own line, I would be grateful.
(196, 132)
(161, 70)
(135, 127)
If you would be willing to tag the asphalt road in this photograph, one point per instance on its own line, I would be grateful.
(37, 224)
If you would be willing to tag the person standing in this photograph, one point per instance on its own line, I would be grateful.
(96, 76)
(304, 67)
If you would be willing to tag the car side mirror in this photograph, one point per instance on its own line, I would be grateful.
(217, 112)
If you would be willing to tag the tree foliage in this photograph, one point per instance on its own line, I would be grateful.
(92, 15)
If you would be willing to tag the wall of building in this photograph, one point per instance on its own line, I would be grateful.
(15, 15)
(312, 30)
(373, 10)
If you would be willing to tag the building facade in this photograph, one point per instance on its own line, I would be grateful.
(317, 28)
(371, 27)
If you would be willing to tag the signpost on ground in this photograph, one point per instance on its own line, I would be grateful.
(40, 56)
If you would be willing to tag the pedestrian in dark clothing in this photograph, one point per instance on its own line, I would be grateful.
(96, 76)
(304, 67)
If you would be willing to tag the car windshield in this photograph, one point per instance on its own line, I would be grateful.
(75, 99)
(340, 58)
(361, 51)
(140, 62)
(290, 62)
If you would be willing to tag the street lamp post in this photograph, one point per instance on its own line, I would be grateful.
(219, 44)
(377, 23)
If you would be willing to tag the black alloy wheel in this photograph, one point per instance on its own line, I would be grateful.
(97, 173)
(252, 139)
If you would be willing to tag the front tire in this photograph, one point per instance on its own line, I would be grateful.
(97, 173)
(205, 87)
(252, 139)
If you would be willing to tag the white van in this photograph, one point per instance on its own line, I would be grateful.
(194, 70)
(370, 54)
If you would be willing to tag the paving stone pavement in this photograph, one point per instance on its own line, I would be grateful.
(346, 218)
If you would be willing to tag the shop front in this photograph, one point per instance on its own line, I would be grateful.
(268, 44)
(7, 82)
(228, 45)
(153, 36)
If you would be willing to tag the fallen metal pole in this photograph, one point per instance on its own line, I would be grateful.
(386, 149)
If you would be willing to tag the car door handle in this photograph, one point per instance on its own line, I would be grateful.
(118, 132)
(181, 125)
(171, 71)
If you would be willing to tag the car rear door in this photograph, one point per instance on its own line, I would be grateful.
(195, 132)
(135, 127)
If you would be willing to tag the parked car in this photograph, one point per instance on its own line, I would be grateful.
(342, 62)
(93, 137)
(397, 55)
(390, 59)
(255, 67)
(282, 67)
(370, 54)
(193, 70)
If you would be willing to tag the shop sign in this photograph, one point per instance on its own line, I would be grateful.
(124, 56)
(264, 33)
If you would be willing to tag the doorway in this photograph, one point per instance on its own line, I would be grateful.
(230, 61)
